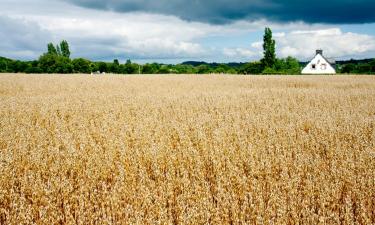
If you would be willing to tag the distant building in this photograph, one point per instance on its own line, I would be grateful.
(320, 65)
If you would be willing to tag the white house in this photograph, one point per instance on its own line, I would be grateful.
(319, 65)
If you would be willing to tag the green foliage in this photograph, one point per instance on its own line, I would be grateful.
(184, 69)
(94, 67)
(348, 68)
(252, 68)
(3, 66)
(102, 67)
(51, 49)
(364, 68)
(150, 68)
(52, 61)
(222, 68)
(63, 65)
(33, 69)
(58, 50)
(47, 62)
(81, 65)
(130, 68)
(114, 67)
(64, 47)
(163, 69)
(288, 65)
(269, 58)
(270, 71)
(202, 69)
(372, 64)
(357, 67)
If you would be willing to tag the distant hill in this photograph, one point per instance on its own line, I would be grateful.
(235, 64)
(343, 62)
(198, 63)
(355, 61)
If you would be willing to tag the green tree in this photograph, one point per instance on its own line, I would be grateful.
(55, 60)
(203, 68)
(364, 68)
(103, 67)
(185, 69)
(63, 65)
(58, 50)
(115, 66)
(64, 47)
(150, 68)
(3, 66)
(372, 64)
(288, 66)
(34, 67)
(47, 62)
(252, 68)
(131, 68)
(164, 70)
(269, 71)
(293, 65)
(51, 49)
(220, 69)
(81, 65)
(269, 58)
(94, 67)
(348, 68)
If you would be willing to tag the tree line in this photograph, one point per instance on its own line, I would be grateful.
(57, 60)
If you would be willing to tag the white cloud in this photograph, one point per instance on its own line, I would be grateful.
(257, 45)
(335, 43)
(280, 35)
(238, 52)
(99, 34)
(129, 34)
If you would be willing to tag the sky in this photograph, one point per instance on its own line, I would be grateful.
(174, 31)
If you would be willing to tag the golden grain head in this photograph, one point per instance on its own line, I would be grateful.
(186, 149)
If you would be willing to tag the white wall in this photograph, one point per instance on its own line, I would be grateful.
(319, 65)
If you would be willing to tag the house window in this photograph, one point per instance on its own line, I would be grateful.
(313, 66)
(323, 66)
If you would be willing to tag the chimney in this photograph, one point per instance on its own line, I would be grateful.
(319, 51)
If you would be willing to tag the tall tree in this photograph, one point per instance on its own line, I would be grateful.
(114, 67)
(64, 47)
(269, 58)
(58, 50)
(51, 49)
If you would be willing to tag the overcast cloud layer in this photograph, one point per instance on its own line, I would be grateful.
(147, 31)
(224, 11)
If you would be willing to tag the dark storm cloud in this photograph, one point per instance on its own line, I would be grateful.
(226, 11)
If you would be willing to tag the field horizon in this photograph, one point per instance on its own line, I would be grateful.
(187, 149)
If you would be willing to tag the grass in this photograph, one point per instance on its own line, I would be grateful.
(81, 149)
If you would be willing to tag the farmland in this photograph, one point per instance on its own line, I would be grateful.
(185, 149)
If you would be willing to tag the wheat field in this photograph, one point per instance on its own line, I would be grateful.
(187, 149)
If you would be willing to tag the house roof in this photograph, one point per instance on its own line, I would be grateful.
(329, 60)
(314, 70)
